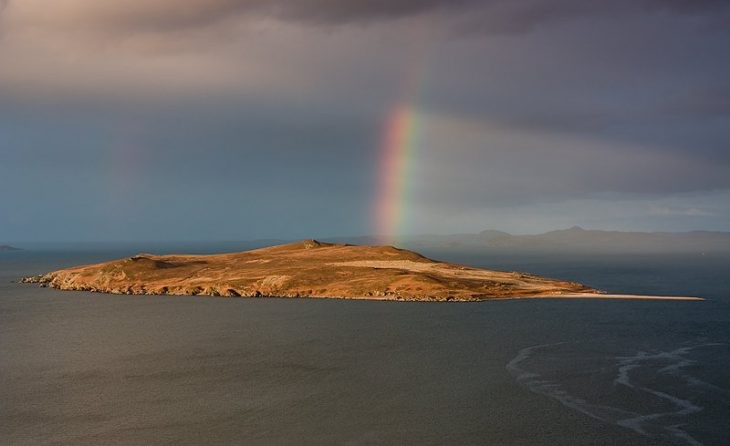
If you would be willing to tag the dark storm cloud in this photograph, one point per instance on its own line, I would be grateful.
(490, 16)
(517, 14)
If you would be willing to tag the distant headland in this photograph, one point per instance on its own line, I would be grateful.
(310, 269)
(9, 248)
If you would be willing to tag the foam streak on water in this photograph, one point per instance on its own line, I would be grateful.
(627, 368)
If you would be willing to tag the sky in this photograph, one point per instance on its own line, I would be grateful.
(249, 119)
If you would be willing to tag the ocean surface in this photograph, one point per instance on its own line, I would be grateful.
(80, 368)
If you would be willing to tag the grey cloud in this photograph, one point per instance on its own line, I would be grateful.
(494, 165)
(270, 114)
(491, 16)
(707, 102)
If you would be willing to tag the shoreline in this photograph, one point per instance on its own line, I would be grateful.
(613, 296)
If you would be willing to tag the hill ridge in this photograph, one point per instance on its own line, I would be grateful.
(306, 268)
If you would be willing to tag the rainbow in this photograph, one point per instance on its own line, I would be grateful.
(399, 142)
(398, 148)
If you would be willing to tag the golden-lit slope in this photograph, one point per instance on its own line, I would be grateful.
(305, 269)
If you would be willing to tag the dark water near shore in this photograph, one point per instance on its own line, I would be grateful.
(82, 368)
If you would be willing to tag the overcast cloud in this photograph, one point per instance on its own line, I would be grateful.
(224, 119)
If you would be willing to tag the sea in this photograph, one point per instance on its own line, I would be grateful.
(79, 368)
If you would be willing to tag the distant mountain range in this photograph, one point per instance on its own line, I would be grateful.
(8, 248)
(572, 240)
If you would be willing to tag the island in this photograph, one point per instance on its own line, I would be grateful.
(8, 248)
(311, 269)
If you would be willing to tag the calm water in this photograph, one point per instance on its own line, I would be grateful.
(79, 368)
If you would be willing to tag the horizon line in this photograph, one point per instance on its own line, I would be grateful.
(331, 237)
